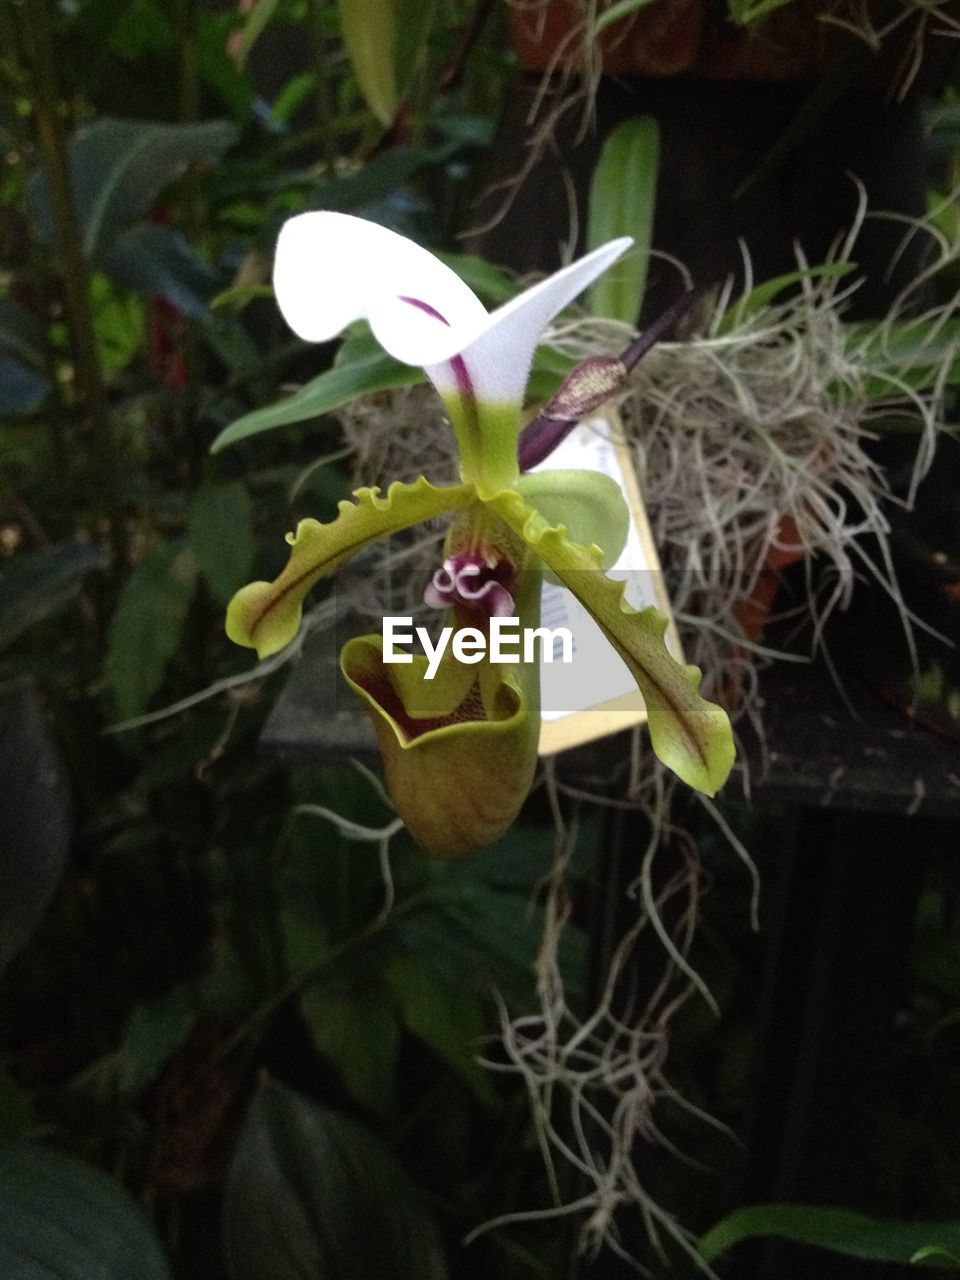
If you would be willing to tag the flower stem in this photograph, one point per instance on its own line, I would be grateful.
(76, 277)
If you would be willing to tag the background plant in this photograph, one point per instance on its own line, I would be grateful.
(199, 967)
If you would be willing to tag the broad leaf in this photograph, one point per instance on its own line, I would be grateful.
(159, 260)
(355, 1027)
(38, 583)
(312, 1193)
(147, 625)
(35, 819)
(21, 389)
(64, 1220)
(154, 1033)
(368, 28)
(20, 333)
(622, 199)
(119, 167)
(444, 1016)
(840, 1230)
(220, 533)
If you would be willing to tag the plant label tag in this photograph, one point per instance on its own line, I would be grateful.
(595, 695)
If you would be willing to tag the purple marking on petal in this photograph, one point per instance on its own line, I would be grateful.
(426, 307)
(458, 366)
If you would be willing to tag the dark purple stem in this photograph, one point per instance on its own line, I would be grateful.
(590, 384)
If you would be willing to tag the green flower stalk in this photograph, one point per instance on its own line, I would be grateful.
(459, 750)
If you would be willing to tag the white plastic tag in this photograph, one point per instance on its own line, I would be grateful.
(595, 695)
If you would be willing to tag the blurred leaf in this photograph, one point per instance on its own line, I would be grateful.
(139, 28)
(36, 584)
(623, 9)
(153, 1035)
(220, 533)
(311, 1193)
(338, 386)
(189, 746)
(254, 26)
(356, 1029)
(21, 333)
(915, 353)
(622, 201)
(119, 323)
(36, 818)
(292, 96)
(154, 259)
(475, 937)
(838, 1230)
(21, 390)
(356, 192)
(743, 12)
(491, 285)
(937, 1257)
(765, 292)
(119, 167)
(63, 1220)
(368, 28)
(218, 70)
(16, 1113)
(147, 625)
(446, 1018)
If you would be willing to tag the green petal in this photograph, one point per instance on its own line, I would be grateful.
(266, 615)
(588, 504)
(690, 735)
(459, 751)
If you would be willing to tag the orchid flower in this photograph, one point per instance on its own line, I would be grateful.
(460, 750)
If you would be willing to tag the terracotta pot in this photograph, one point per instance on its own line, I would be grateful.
(671, 37)
(753, 611)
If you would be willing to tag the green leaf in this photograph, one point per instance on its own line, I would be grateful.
(368, 29)
(147, 625)
(690, 735)
(254, 26)
(16, 1113)
(266, 615)
(491, 285)
(356, 1029)
(331, 390)
(445, 1017)
(153, 1035)
(476, 937)
(622, 201)
(839, 1230)
(39, 583)
(589, 505)
(35, 817)
(623, 9)
(119, 323)
(220, 533)
(937, 1257)
(119, 167)
(765, 292)
(311, 1193)
(158, 260)
(61, 1219)
(21, 389)
(21, 333)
